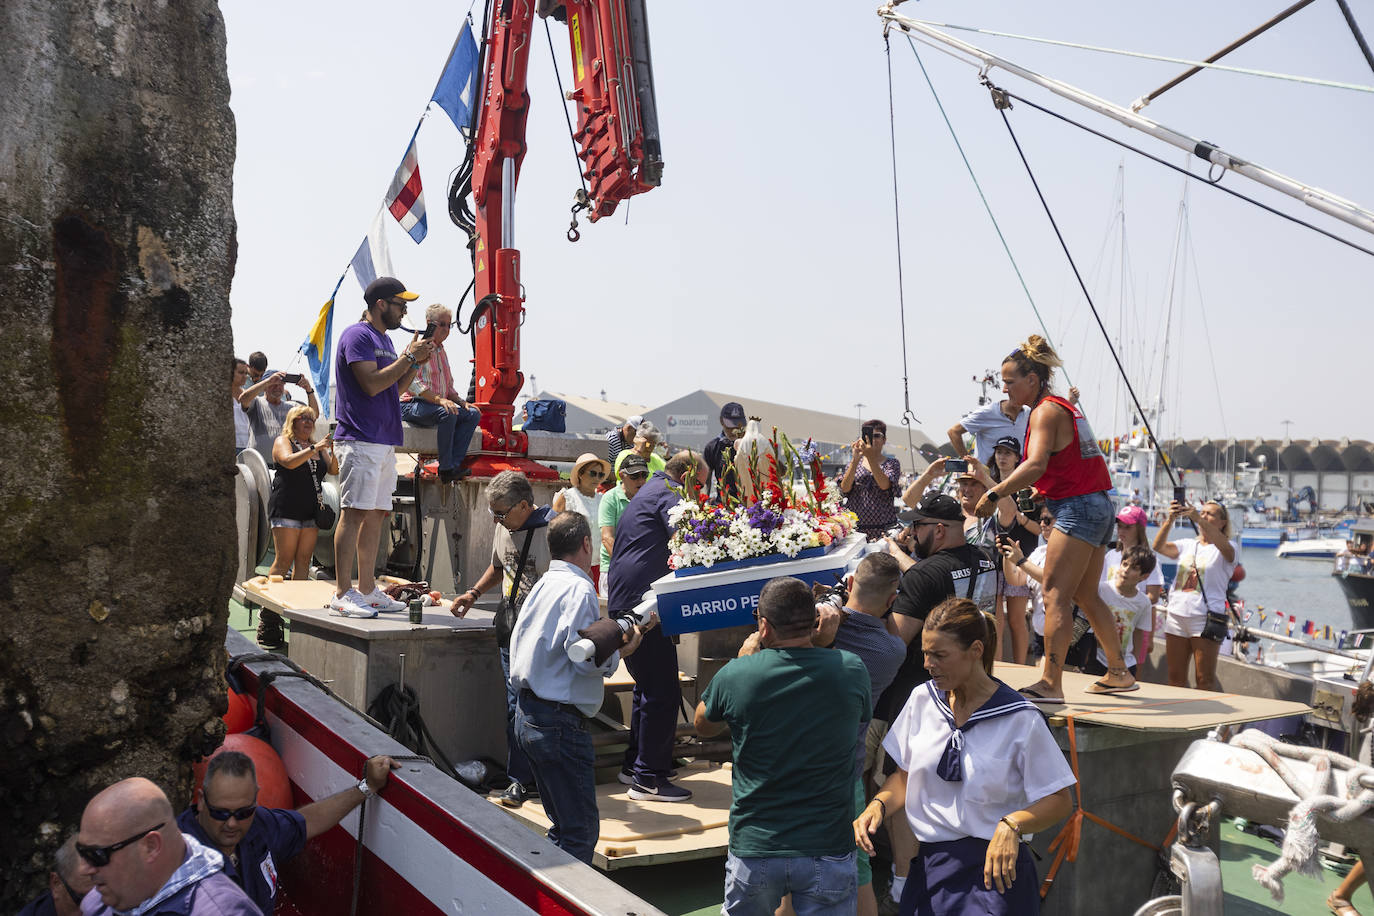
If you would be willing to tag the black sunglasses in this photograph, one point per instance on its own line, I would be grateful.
(501, 516)
(71, 892)
(99, 856)
(639, 475)
(223, 814)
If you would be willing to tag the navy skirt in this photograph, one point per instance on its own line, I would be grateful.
(947, 878)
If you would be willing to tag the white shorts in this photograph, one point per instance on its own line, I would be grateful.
(1184, 626)
(367, 474)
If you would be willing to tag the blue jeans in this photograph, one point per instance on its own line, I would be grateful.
(517, 764)
(455, 430)
(559, 748)
(819, 885)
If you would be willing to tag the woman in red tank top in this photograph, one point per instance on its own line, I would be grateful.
(1064, 461)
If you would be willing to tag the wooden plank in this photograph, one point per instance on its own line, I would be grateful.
(650, 833)
(305, 600)
(1154, 707)
(622, 680)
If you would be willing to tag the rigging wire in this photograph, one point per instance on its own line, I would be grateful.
(1064, 245)
(1355, 30)
(978, 187)
(907, 415)
(1200, 64)
(1182, 171)
(564, 105)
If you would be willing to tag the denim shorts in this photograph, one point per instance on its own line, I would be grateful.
(1089, 517)
(293, 523)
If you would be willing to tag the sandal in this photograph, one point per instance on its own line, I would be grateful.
(1340, 906)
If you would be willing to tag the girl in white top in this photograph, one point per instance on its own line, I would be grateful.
(1205, 565)
(583, 498)
(977, 770)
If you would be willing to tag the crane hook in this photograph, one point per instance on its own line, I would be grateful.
(580, 202)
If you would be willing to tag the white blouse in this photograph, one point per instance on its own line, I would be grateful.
(1008, 758)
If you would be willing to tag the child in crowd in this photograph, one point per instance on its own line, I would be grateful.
(1130, 606)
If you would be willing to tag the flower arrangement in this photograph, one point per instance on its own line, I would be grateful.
(792, 509)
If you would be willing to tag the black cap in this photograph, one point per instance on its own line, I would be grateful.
(385, 288)
(732, 414)
(936, 508)
(1010, 442)
(633, 464)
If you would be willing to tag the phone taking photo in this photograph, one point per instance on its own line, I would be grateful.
(1180, 495)
(956, 465)
(293, 378)
(429, 331)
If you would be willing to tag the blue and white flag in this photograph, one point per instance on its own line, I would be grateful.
(457, 87)
(373, 258)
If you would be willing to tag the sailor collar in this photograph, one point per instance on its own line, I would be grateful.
(1003, 701)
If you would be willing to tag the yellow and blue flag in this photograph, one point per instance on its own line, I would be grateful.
(319, 348)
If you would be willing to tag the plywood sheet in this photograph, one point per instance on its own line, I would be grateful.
(1154, 707)
(637, 833)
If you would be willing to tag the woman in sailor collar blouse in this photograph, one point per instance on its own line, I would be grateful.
(978, 771)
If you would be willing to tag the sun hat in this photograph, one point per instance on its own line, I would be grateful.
(585, 459)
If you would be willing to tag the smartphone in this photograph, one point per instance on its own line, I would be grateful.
(293, 378)
(429, 331)
(1180, 494)
(956, 465)
(867, 436)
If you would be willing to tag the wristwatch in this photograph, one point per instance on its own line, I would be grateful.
(993, 495)
(364, 788)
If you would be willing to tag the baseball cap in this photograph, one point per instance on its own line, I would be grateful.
(935, 508)
(636, 421)
(1010, 442)
(633, 464)
(732, 414)
(1132, 515)
(385, 288)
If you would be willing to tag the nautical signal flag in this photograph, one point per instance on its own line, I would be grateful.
(406, 197)
(457, 86)
(372, 258)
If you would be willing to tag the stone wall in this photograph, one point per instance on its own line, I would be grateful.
(117, 546)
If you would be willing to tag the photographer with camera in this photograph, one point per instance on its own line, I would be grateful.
(266, 408)
(870, 481)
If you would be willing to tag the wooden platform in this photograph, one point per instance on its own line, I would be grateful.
(651, 833)
(305, 600)
(1154, 707)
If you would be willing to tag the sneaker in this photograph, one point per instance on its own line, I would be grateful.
(381, 601)
(657, 788)
(516, 795)
(352, 604)
(626, 776)
(270, 632)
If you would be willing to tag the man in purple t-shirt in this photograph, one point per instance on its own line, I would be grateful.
(368, 379)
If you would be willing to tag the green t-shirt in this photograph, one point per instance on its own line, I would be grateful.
(793, 716)
(613, 503)
(655, 460)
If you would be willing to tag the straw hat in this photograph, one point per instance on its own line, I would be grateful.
(585, 459)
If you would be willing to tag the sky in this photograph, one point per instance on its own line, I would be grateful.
(766, 264)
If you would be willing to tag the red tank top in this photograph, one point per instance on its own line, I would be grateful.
(1078, 467)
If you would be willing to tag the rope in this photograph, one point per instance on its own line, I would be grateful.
(1317, 797)
(907, 415)
(1081, 285)
(983, 197)
(362, 819)
(564, 104)
(1183, 171)
(1355, 30)
(1201, 64)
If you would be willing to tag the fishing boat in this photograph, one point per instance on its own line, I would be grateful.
(1353, 569)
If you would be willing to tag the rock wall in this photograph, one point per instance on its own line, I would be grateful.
(117, 545)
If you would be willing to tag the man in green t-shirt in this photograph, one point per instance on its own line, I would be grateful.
(634, 470)
(794, 710)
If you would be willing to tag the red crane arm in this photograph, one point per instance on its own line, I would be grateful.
(617, 141)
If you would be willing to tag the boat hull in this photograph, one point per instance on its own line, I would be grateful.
(1358, 588)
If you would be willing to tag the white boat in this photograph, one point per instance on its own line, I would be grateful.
(1312, 548)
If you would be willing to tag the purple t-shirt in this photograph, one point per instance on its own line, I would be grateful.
(362, 418)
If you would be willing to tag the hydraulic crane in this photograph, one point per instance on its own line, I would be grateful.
(617, 141)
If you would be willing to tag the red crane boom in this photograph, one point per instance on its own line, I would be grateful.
(618, 143)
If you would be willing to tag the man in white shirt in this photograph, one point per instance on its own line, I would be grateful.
(554, 694)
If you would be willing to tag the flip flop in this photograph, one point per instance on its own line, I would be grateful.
(1034, 696)
(1100, 688)
(1339, 906)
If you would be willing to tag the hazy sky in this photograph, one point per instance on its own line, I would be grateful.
(765, 264)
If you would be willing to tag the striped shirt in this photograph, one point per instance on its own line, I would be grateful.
(434, 375)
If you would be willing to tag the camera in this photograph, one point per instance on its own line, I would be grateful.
(836, 595)
(1028, 501)
(292, 378)
(956, 465)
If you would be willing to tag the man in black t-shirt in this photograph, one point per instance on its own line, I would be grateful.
(720, 451)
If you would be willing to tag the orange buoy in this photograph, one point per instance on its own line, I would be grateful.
(274, 788)
(241, 713)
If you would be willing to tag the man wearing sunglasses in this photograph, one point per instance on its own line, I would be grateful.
(254, 840)
(66, 885)
(136, 857)
(432, 400)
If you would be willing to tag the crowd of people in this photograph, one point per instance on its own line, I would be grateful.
(880, 715)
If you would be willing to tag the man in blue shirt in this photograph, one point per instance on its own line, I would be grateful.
(66, 886)
(256, 840)
(556, 695)
(640, 557)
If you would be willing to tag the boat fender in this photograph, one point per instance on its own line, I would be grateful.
(274, 787)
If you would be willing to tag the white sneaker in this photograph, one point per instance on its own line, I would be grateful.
(352, 604)
(382, 602)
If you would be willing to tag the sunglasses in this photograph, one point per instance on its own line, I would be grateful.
(595, 472)
(238, 814)
(501, 516)
(99, 856)
(638, 475)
